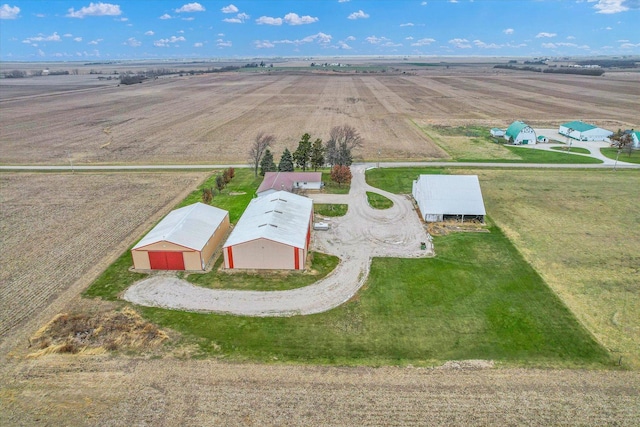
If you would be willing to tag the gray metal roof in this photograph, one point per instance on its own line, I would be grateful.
(190, 226)
(281, 216)
(449, 195)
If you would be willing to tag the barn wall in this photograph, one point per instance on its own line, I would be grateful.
(214, 241)
(140, 260)
(263, 254)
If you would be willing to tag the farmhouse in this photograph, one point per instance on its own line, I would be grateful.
(289, 181)
(273, 233)
(583, 131)
(442, 197)
(184, 240)
(635, 138)
(495, 132)
(520, 133)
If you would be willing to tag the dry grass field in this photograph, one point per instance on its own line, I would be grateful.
(55, 228)
(212, 118)
(580, 231)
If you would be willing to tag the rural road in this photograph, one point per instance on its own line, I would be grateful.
(361, 234)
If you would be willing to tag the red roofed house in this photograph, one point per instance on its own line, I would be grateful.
(289, 181)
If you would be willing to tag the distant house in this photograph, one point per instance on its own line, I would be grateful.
(583, 131)
(273, 233)
(542, 138)
(442, 197)
(495, 132)
(520, 133)
(185, 239)
(289, 181)
(635, 138)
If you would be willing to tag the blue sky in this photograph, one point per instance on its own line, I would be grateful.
(136, 29)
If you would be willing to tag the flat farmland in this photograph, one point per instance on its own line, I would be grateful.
(55, 228)
(212, 118)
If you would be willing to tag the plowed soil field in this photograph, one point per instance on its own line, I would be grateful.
(213, 118)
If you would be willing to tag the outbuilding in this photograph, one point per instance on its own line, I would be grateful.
(443, 197)
(583, 131)
(635, 138)
(289, 181)
(496, 133)
(520, 133)
(542, 139)
(185, 239)
(273, 233)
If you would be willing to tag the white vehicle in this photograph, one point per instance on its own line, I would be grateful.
(320, 226)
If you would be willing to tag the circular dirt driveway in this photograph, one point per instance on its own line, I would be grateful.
(355, 238)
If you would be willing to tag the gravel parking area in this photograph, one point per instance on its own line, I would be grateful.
(361, 234)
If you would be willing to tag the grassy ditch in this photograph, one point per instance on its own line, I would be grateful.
(477, 300)
(378, 201)
(611, 152)
(577, 150)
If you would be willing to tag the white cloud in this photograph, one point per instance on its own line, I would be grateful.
(350, 38)
(191, 7)
(508, 31)
(268, 20)
(77, 39)
(342, 45)
(9, 12)
(424, 3)
(223, 43)
(131, 41)
(358, 15)
(453, 1)
(149, 33)
(166, 42)
(198, 44)
(629, 45)
(422, 42)
(42, 38)
(615, 6)
(95, 42)
(483, 45)
(67, 35)
(229, 9)
(165, 16)
(123, 19)
(545, 35)
(408, 38)
(344, 1)
(549, 45)
(408, 24)
(263, 44)
(376, 40)
(460, 43)
(608, 28)
(95, 9)
(294, 19)
(239, 19)
(571, 38)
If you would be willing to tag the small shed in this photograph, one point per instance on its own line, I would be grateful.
(289, 181)
(273, 233)
(542, 139)
(496, 133)
(583, 131)
(442, 197)
(185, 239)
(520, 133)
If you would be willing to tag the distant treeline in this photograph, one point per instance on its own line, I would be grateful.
(561, 70)
(610, 63)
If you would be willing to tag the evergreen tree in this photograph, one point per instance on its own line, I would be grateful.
(317, 154)
(267, 164)
(331, 152)
(286, 162)
(303, 153)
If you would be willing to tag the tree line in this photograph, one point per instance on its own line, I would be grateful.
(310, 153)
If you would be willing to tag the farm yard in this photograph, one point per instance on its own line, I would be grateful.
(551, 285)
(211, 118)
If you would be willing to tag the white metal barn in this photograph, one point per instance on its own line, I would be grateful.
(442, 197)
(520, 133)
(289, 181)
(185, 239)
(583, 131)
(273, 233)
(496, 132)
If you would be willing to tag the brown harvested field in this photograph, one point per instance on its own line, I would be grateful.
(55, 229)
(68, 390)
(212, 118)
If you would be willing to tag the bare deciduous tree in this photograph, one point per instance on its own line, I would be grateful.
(342, 139)
(259, 146)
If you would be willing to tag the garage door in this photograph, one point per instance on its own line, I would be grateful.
(166, 260)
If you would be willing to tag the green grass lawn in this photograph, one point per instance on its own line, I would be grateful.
(331, 187)
(531, 155)
(329, 209)
(566, 149)
(478, 299)
(612, 152)
(321, 265)
(378, 201)
(398, 180)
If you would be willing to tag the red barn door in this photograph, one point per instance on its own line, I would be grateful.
(166, 260)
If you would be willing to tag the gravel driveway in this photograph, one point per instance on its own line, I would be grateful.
(355, 238)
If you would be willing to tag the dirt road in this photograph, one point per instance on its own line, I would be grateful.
(361, 234)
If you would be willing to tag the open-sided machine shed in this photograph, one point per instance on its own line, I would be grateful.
(184, 240)
(273, 233)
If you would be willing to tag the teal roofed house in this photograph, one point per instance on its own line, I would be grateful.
(635, 137)
(520, 133)
(583, 131)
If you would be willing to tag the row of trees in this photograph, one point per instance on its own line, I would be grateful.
(337, 151)
(208, 193)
